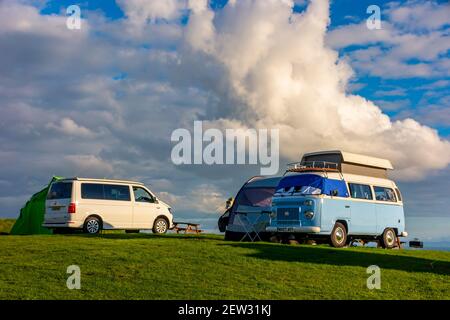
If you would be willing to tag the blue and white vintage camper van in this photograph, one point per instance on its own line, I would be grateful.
(338, 196)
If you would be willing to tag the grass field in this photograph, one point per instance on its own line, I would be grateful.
(145, 266)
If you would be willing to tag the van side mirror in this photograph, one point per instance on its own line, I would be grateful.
(334, 193)
(155, 200)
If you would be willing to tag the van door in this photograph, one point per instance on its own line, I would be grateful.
(363, 212)
(145, 210)
(110, 201)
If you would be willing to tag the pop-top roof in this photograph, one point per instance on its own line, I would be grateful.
(360, 159)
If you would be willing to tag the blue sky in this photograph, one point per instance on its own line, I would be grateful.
(103, 100)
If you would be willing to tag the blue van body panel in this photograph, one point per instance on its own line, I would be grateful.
(389, 216)
(364, 218)
(331, 211)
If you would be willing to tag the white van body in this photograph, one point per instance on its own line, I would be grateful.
(115, 204)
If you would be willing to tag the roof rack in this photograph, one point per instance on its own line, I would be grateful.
(313, 166)
(317, 166)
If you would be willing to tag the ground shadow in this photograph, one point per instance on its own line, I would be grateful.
(137, 236)
(343, 257)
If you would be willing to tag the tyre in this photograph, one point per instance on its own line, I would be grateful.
(160, 226)
(92, 225)
(338, 236)
(388, 239)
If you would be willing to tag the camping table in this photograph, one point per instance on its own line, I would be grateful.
(188, 228)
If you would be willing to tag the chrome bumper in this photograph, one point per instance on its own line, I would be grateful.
(294, 229)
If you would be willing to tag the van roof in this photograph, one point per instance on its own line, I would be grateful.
(260, 181)
(360, 159)
(103, 180)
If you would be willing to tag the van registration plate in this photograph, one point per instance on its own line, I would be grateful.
(285, 229)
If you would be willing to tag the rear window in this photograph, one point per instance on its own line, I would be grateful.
(60, 190)
(105, 192)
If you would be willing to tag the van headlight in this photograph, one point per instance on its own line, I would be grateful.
(309, 215)
(273, 214)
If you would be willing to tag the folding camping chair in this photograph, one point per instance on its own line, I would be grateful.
(249, 227)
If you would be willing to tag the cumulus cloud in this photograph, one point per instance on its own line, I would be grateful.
(411, 30)
(285, 76)
(69, 127)
(90, 165)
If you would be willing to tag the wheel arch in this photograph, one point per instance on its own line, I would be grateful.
(94, 215)
(344, 222)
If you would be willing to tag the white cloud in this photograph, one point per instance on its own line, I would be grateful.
(416, 15)
(89, 165)
(285, 77)
(414, 31)
(69, 127)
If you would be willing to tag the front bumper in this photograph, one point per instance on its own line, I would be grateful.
(294, 229)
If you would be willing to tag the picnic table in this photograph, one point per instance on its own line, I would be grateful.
(187, 227)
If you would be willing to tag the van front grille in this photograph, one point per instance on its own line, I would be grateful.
(288, 216)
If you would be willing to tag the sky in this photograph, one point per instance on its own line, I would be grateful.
(102, 101)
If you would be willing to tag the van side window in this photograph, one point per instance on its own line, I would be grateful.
(360, 191)
(141, 195)
(384, 194)
(105, 192)
(92, 191)
(117, 192)
(399, 195)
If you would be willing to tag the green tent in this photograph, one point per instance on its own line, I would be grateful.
(32, 214)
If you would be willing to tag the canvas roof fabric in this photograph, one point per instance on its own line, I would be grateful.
(326, 185)
(32, 214)
(348, 157)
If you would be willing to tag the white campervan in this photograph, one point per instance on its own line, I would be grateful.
(96, 204)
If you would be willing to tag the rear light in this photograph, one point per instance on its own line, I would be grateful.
(72, 208)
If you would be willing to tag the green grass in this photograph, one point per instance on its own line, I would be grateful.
(6, 225)
(145, 266)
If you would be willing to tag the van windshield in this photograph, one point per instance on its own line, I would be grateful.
(297, 191)
(255, 197)
(60, 190)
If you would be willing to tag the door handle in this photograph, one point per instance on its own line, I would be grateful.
(347, 206)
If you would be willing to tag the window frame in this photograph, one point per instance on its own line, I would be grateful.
(372, 193)
(385, 201)
(104, 198)
(152, 196)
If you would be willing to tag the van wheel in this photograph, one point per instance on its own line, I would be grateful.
(92, 225)
(338, 235)
(160, 226)
(388, 239)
